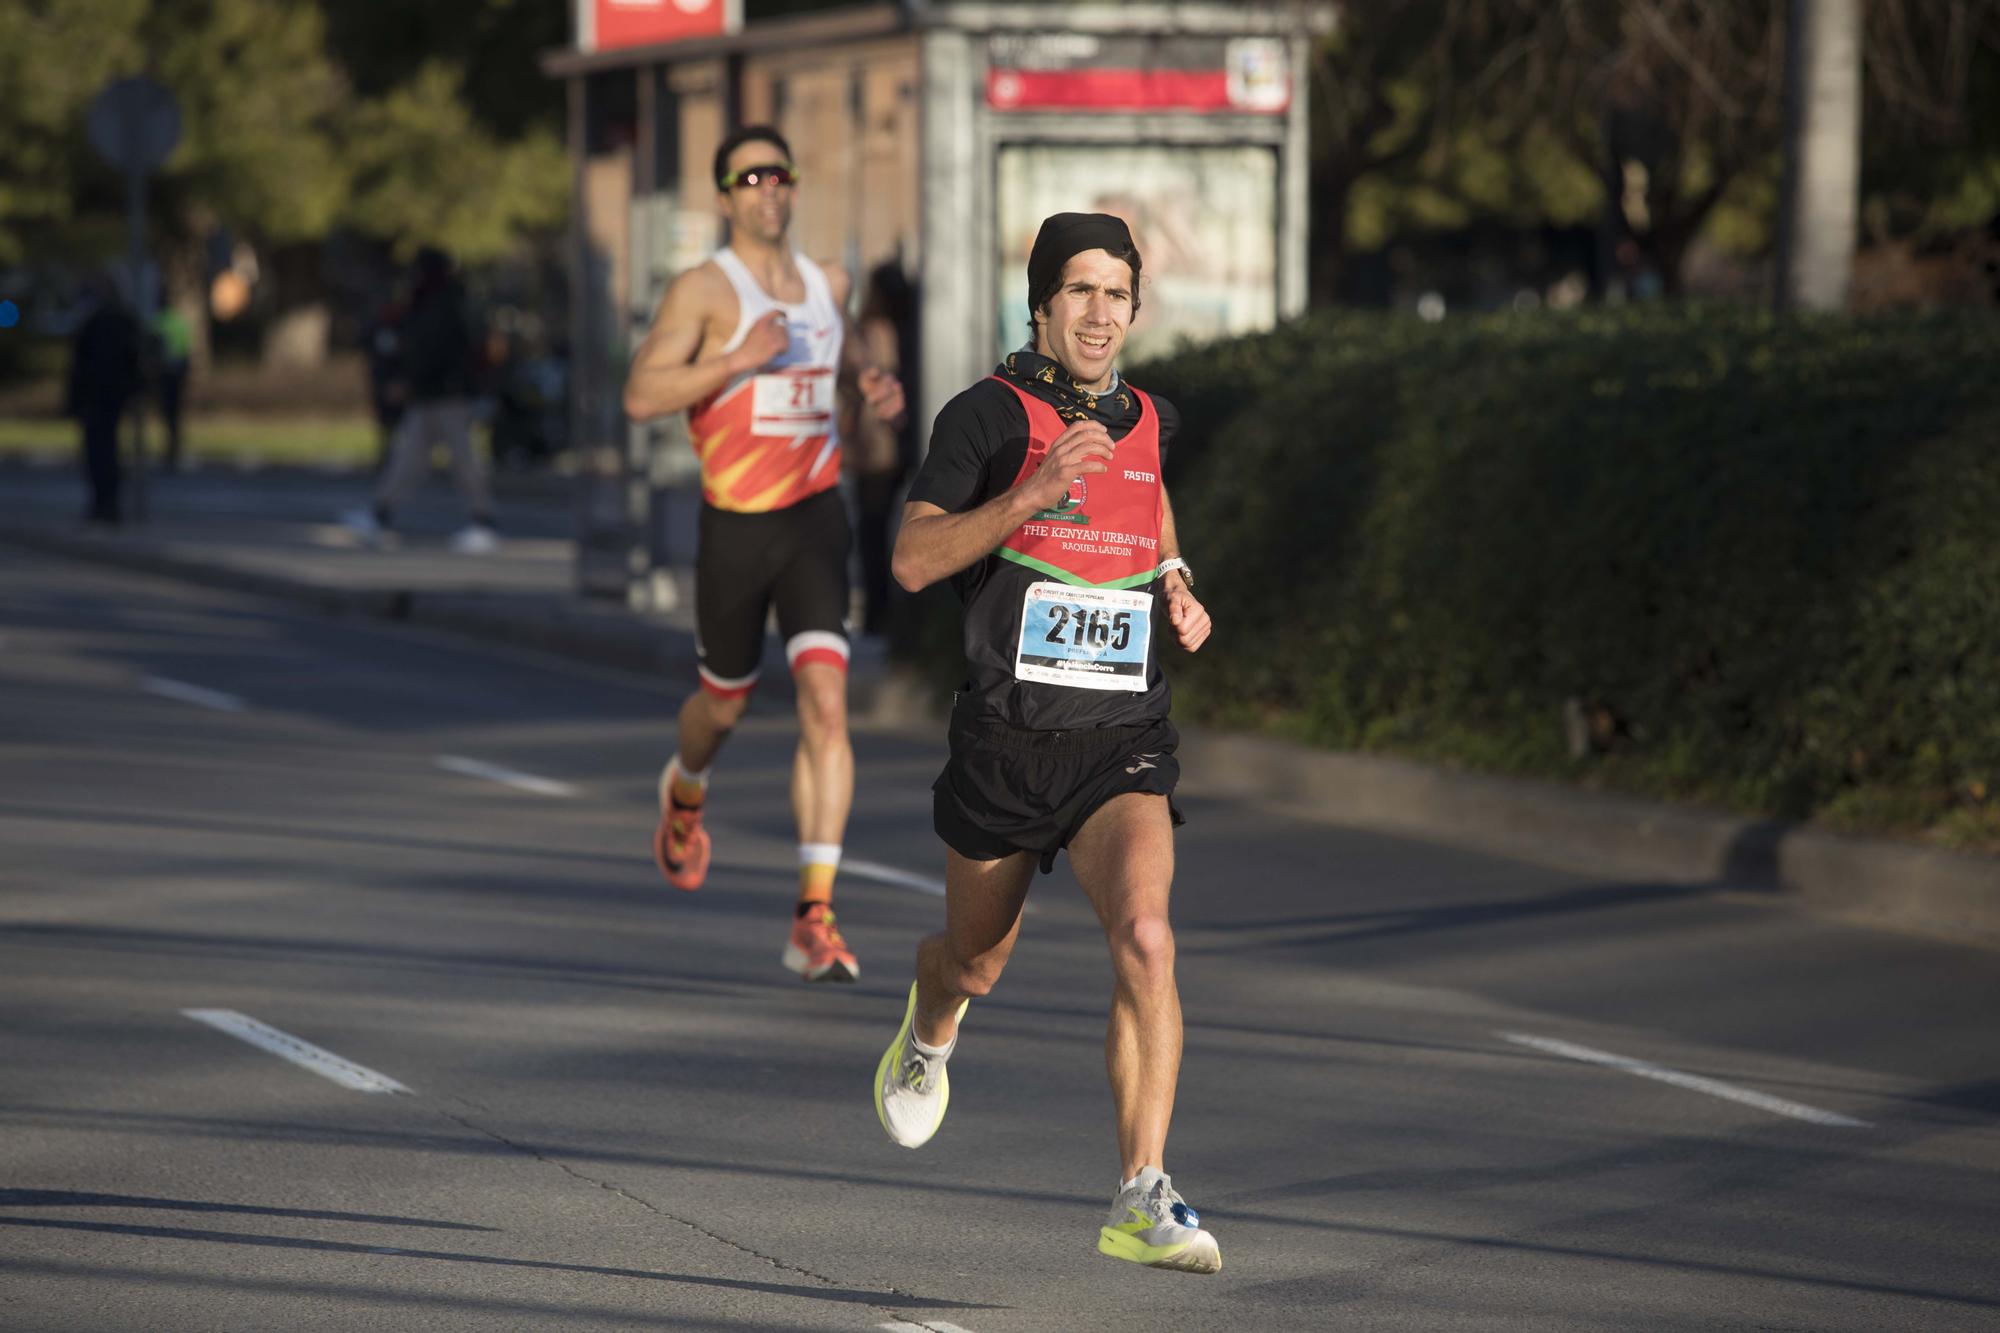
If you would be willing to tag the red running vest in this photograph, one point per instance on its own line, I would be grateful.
(1106, 532)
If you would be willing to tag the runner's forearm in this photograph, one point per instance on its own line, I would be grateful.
(933, 545)
(658, 391)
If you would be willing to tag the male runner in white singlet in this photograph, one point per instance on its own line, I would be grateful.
(751, 345)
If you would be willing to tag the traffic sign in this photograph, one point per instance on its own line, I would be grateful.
(134, 124)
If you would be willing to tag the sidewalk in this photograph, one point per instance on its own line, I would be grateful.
(275, 533)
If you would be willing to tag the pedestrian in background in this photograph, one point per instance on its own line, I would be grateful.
(441, 348)
(103, 376)
(387, 393)
(880, 452)
(173, 342)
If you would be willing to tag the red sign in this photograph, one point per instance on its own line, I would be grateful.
(1081, 72)
(604, 25)
(1108, 89)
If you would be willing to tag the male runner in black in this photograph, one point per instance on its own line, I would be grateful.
(1041, 500)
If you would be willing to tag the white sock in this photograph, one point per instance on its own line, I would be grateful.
(930, 1052)
(675, 766)
(819, 854)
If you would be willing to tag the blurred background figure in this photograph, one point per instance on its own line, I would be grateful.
(441, 355)
(173, 341)
(103, 376)
(880, 455)
(387, 390)
(526, 379)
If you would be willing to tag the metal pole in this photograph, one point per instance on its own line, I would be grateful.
(135, 213)
(1820, 205)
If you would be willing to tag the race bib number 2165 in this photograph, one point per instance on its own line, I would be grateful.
(1088, 638)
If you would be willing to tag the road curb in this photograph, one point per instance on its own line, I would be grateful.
(1878, 881)
(1901, 885)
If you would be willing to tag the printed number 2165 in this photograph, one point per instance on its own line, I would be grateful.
(1086, 627)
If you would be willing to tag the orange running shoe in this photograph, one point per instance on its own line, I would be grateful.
(816, 951)
(680, 845)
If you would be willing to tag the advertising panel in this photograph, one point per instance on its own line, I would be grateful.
(1205, 219)
(1074, 71)
(605, 25)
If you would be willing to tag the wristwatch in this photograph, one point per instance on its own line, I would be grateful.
(1167, 566)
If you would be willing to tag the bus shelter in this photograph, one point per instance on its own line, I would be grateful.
(933, 137)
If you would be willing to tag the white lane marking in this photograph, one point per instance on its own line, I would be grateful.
(192, 694)
(1692, 1082)
(882, 874)
(302, 1053)
(474, 768)
(935, 1326)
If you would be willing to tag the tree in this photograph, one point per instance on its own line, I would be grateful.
(1395, 92)
(54, 56)
(494, 44)
(1670, 102)
(260, 105)
(1676, 104)
(1660, 118)
(425, 173)
(456, 141)
(1930, 127)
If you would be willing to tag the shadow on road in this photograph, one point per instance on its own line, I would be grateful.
(842, 1295)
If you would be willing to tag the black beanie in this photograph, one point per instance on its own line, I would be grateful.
(1064, 236)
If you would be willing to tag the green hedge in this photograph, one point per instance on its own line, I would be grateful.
(1759, 559)
(1752, 562)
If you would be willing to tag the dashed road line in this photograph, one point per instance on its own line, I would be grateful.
(477, 768)
(302, 1053)
(193, 694)
(902, 879)
(1692, 1082)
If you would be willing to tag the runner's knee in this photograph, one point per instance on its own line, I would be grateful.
(1143, 946)
(822, 700)
(724, 710)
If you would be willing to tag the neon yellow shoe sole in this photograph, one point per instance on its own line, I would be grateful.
(908, 1135)
(1199, 1255)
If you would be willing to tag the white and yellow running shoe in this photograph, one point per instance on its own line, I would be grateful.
(911, 1086)
(1151, 1224)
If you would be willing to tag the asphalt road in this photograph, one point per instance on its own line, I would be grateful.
(1423, 1088)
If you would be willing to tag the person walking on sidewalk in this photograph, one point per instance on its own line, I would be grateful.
(173, 342)
(103, 377)
(1041, 500)
(439, 350)
(752, 345)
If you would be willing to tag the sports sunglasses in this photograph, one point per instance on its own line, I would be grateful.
(749, 178)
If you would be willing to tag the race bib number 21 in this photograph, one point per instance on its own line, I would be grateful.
(1088, 638)
(793, 402)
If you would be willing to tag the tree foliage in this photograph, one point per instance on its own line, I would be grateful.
(1660, 119)
(410, 123)
(54, 56)
(260, 104)
(493, 43)
(426, 173)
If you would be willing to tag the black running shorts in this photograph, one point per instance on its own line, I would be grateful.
(1006, 790)
(793, 558)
